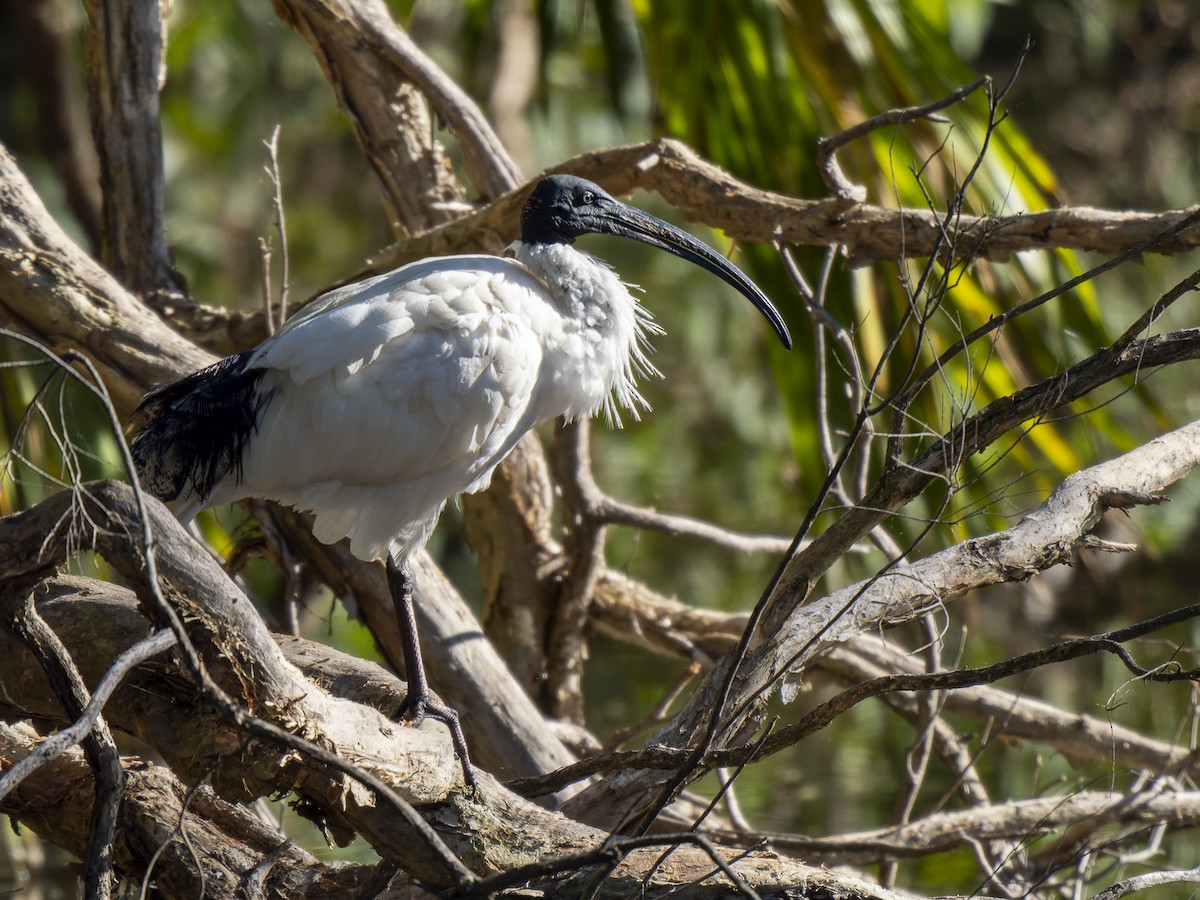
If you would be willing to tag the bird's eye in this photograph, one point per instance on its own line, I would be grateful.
(588, 198)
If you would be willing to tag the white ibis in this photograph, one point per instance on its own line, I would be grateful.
(383, 399)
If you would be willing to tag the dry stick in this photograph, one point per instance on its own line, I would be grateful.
(660, 757)
(1020, 819)
(945, 238)
(823, 321)
(264, 266)
(993, 854)
(98, 745)
(272, 171)
(733, 661)
(183, 838)
(226, 705)
(724, 791)
(614, 512)
(866, 658)
(64, 738)
(765, 610)
(1149, 880)
(916, 760)
(827, 147)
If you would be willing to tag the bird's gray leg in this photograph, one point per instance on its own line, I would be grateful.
(420, 703)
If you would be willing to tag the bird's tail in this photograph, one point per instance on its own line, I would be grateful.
(187, 436)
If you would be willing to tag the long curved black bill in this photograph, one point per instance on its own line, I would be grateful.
(627, 221)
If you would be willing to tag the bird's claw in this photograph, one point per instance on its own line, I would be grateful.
(417, 709)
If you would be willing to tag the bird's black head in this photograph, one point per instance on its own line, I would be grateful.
(563, 207)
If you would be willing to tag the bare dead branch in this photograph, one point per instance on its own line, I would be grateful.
(746, 213)
(73, 734)
(1077, 736)
(273, 173)
(97, 620)
(628, 612)
(52, 289)
(366, 27)
(1149, 880)
(1018, 819)
(907, 480)
(273, 710)
(876, 685)
(513, 734)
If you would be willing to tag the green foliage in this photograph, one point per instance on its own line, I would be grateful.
(754, 85)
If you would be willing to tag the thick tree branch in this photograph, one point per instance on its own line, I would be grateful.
(367, 27)
(203, 839)
(98, 745)
(54, 291)
(98, 620)
(745, 213)
(390, 119)
(126, 44)
(1019, 819)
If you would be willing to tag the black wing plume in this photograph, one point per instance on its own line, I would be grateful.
(188, 435)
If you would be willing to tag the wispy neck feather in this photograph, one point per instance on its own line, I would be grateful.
(606, 333)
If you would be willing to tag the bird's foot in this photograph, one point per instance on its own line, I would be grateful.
(416, 709)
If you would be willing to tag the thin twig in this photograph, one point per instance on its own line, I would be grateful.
(661, 757)
(827, 147)
(280, 223)
(67, 737)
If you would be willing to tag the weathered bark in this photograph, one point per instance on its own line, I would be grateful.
(366, 28)
(492, 830)
(126, 44)
(746, 213)
(391, 119)
(505, 730)
(203, 839)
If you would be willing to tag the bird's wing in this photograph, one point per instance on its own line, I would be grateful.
(401, 393)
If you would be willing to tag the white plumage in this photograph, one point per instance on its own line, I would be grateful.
(396, 393)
